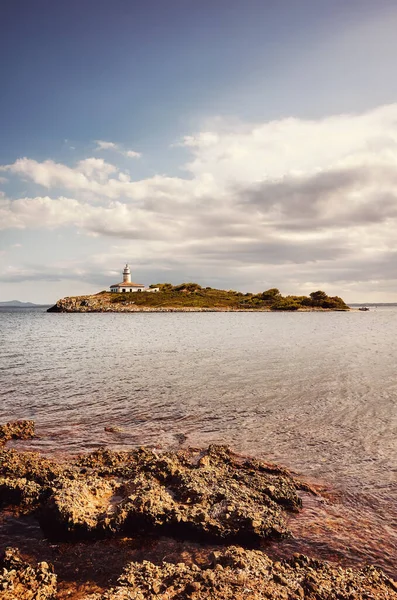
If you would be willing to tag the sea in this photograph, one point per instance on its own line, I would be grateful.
(315, 392)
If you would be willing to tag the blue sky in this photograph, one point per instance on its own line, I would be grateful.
(241, 144)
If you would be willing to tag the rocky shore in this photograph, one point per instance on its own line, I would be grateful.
(105, 302)
(19, 579)
(226, 506)
(91, 304)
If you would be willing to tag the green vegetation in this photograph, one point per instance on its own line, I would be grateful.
(195, 296)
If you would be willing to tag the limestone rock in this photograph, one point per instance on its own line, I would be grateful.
(210, 495)
(19, 492)
(21, 581)
(238, 574)
(79, 507)
(31, 465)
(26, 478)
(16, 430)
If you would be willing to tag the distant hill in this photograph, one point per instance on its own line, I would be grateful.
(19, 304)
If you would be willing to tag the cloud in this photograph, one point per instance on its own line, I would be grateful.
(133, 154)
(96, 169)
(54, 273)
(102, 145)
(272, 150)
(334, 198)
(300, 201)
(93, 175)
(114, 220)
(87, 175)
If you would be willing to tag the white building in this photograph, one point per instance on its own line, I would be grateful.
(128, 286)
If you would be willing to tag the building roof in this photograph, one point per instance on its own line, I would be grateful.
(124, 284)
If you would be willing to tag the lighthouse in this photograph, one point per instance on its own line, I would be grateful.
(126, 274)
(128, 286)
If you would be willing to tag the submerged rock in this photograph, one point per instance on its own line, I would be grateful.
(16, 430)
(113, 429)
(21, 581)
(237, 574)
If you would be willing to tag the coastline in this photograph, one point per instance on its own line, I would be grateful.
(191, 297)
(101, 303)
(201, 522)
(189, 309)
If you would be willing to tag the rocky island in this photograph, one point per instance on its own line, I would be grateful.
(142, 524)
(191, 297)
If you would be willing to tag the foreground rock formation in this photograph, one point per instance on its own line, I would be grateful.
(18, 430)
(237, 574)
(207, 495)
(20, 580)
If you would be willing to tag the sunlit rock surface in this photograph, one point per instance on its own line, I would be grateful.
(240, 574)
(21, 581)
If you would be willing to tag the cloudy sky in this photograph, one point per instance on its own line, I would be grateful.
(241, 144)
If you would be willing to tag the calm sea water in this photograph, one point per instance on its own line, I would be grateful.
(315, 392)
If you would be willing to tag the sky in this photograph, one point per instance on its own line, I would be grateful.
(240, 144)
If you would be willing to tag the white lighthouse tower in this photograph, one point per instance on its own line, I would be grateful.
(126, 274)
(128, 286)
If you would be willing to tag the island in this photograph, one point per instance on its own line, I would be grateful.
(192, 297)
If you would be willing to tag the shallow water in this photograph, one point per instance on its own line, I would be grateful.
(316, 392)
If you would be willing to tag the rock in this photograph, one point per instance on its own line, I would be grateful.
(113, 429)
(201, 495)
(16, 430)
(180, 438)
(25, 478)
(109, 463)
(237, 574)
(79, 508)
(208, 496)
(31, 465)
(20, 580)
(19, 492)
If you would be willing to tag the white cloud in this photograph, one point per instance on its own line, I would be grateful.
(93, 175)
(275, 149)
(115, 219)
(96, 168)
(49, 174)
(317, 198)
(133, 154)
(102, 145)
